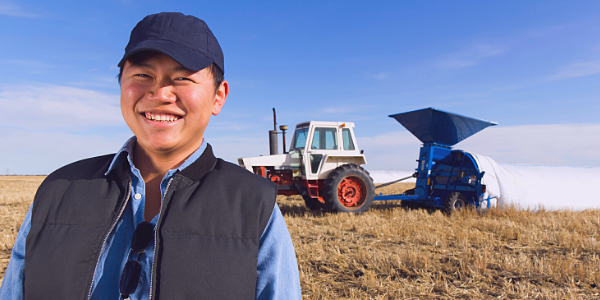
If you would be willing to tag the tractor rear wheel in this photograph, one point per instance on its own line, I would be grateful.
(455, 202)
(348, 188)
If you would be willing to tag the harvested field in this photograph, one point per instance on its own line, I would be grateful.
(16, 194)
(394, 253)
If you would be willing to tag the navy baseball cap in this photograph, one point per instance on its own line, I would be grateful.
(185, 39)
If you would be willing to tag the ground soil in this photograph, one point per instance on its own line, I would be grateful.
(395, 253)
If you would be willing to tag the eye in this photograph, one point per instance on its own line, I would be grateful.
(141, 75)
(184, 78)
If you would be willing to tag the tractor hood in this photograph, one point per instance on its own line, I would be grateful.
(277, 160)
(434, 126)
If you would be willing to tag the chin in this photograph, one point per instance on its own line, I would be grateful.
(164, 147)
(157, 144)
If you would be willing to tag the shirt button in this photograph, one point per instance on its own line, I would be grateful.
(137, 196)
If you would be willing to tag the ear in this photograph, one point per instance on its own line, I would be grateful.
(220, 97)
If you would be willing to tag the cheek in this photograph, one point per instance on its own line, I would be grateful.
(127, 111)
(129, 97)
(199, 101)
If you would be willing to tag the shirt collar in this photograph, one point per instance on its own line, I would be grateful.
(126, 154)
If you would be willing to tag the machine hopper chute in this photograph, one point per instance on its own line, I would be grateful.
(445, 178)
(434, 126)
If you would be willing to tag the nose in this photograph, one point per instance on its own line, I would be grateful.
(162, 92)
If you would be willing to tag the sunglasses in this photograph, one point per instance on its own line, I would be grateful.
(130, 277)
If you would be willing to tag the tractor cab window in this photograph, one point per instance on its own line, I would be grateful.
(347, 137)
(299, 140)
(325, 139)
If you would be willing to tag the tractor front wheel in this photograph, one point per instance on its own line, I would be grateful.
(348, 188)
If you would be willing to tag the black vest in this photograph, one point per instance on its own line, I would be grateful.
(211, 220)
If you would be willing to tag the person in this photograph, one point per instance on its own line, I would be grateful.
(163, 218)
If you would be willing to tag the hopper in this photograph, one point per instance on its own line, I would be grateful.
(434, 126)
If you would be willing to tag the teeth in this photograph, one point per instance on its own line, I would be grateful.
(161, 117)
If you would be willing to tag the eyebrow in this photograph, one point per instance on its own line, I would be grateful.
(143, 64)
(182, 68)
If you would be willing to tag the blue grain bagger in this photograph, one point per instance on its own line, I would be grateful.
(446, 178)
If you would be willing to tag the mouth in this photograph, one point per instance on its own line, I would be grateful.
(161, 117)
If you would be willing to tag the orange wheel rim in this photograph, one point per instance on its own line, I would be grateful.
(351, 192)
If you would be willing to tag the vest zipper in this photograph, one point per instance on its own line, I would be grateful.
(156, 237)
(106, 237)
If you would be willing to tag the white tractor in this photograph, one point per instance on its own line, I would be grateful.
(323, 165)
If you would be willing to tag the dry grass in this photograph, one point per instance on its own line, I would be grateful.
(393, 253)
(16, 194)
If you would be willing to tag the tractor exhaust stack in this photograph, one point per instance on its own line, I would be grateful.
(273, 147)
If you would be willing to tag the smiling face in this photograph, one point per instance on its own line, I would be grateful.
(167, 106)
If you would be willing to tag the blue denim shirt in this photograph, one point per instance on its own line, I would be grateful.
(276, 268)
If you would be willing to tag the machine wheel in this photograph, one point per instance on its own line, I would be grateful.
(313, 203)
(348, 188)
(408, 205)
(455, 202)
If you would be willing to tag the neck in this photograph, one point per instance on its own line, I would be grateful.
(156, 164)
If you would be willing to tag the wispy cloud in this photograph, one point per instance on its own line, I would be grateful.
(343, 112)
(379, 76)
(544, 31)
(53, 106)
(230, 147)
(104, 82)
(244, 83)
(578, 69)
(226, 126)
(29, 66)
(468, 56)
(27, 63)
(41, 152)
(527, 144)
(13, 10)
(344, 109)
(552, 144)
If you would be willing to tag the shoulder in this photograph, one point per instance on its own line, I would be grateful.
(89, 168)
(85, 170)
(253, 192)
(240, 174)
(79, 182)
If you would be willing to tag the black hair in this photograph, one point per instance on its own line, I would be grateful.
(215, 71)
(217, 75)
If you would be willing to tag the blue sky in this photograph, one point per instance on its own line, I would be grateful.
(533, 67)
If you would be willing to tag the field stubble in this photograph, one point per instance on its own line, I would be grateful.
(394, 253)
(16, 194)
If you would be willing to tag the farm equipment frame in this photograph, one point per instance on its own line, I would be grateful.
(324, 165)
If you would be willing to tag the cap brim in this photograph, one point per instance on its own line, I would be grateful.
(188, 58)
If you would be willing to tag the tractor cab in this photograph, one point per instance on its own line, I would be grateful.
(319, 147)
